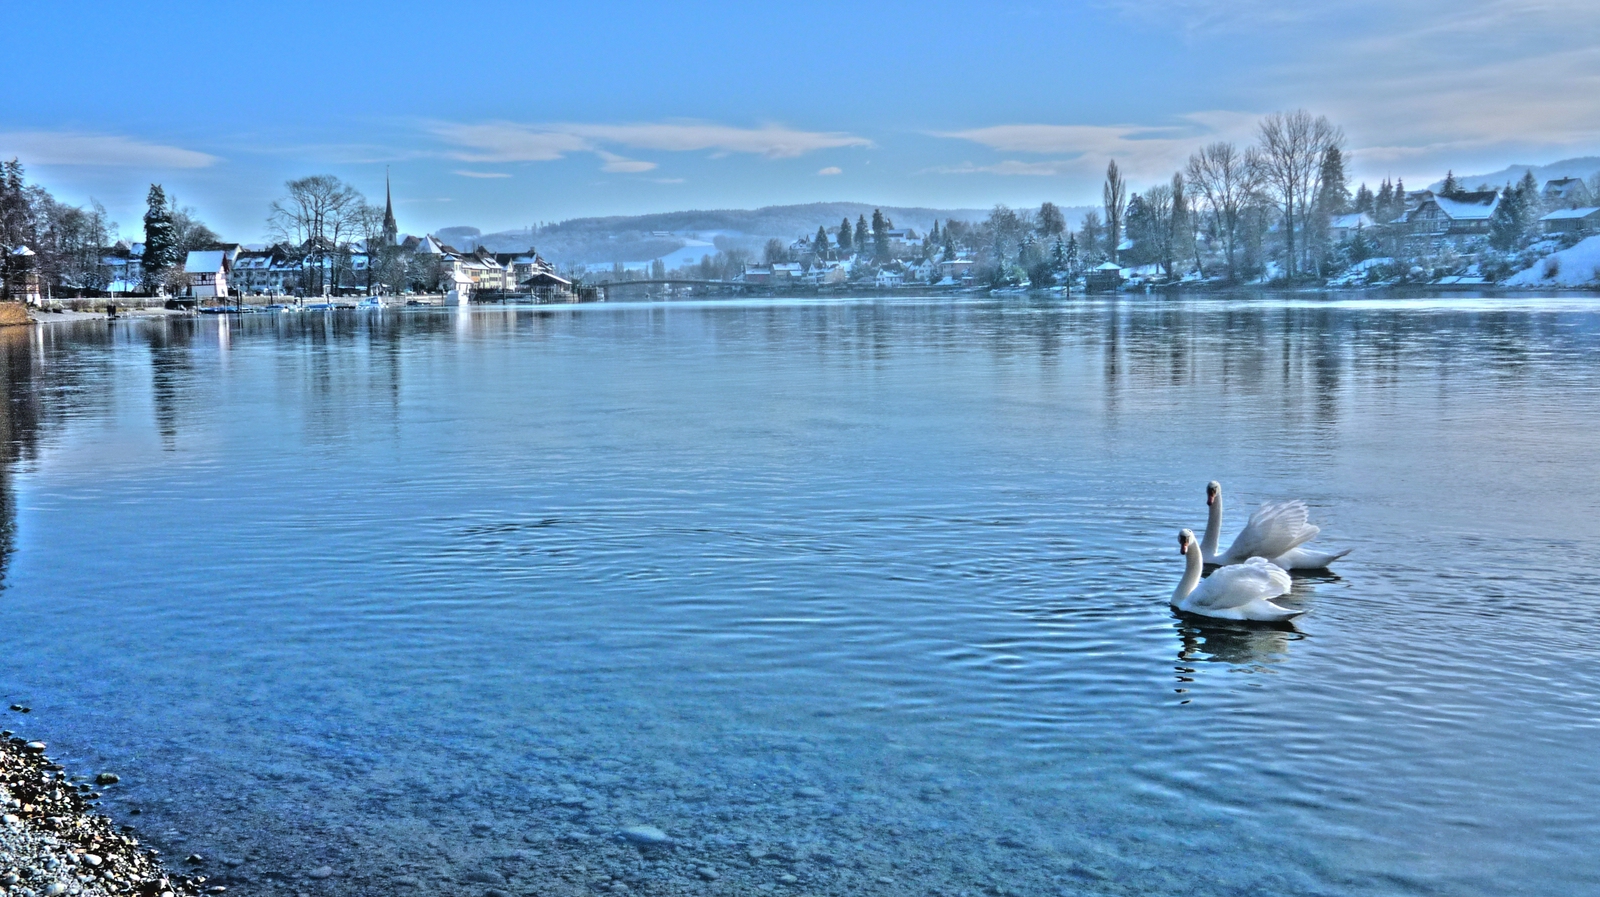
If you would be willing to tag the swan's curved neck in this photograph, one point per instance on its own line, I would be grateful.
(1191, 575)
(1208, 545)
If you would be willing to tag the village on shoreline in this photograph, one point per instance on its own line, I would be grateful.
(1280, 214)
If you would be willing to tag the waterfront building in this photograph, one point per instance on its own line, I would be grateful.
(1344, 227)
(1464, 214)
(1584, 220)
(207, 272)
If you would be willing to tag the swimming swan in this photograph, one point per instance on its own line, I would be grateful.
(1277, 530)
(1239, 592)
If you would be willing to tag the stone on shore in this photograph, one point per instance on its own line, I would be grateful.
(646, 836)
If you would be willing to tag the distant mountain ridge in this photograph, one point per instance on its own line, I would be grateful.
(1580, 167)
(641, 238)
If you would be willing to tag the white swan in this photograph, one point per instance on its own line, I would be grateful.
(1240, 592)
(1277, 530)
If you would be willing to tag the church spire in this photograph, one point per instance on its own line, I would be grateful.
(391, 233)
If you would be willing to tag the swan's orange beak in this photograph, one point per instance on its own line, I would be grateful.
(1211, 499)
(1183, 545)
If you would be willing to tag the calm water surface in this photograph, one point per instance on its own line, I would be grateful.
(846, 597)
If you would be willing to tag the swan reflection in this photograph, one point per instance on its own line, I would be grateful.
(1237, 643)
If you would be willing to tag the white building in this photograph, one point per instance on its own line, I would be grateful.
(207, 271)
(1345, 227)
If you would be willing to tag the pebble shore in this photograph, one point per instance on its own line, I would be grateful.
(53, 843)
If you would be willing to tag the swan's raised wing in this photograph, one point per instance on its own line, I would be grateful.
(1257, 579)
(1275, 529)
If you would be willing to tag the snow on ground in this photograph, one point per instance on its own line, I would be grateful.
(1574, 267)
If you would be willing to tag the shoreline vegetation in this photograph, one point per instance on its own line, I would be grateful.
(53, 843)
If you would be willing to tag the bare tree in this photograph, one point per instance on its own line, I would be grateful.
(1152, 233)
(1292, 147)
(1228, 180)
(1115, 195)
(368, 222)
(188, 231)
(317, 215)
(1051, 222)
(72, 244)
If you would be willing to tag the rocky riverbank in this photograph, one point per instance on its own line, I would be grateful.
(51, 841)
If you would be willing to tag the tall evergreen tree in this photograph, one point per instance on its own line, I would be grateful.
(821, 248)
(1506, 224)
(1333, 188)
(880, 235)
(862, 234)
(1451, 185)
(18, 229)
(1385, 202)
(160, 237)
(1528, 200)
(846, 242)
(1364, 200)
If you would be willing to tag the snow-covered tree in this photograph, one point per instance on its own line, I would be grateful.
(1505, 225)
(160, 238)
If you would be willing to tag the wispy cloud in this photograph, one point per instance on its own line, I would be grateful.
(74, 148)
(1142, 150)
(480, 174)
(831, 170)
(622, 165)
(1011, 167)
(1423, 84)
(516, 142)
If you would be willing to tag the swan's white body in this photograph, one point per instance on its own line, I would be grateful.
(1277, 530)
(1239, 592)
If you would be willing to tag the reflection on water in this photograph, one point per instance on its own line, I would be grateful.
(842, 595)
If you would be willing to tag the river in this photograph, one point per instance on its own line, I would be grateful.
(840, 596)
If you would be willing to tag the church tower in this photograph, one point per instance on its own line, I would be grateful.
(391, 233)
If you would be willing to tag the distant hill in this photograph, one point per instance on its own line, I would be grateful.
(1581, 167)
(680, 237)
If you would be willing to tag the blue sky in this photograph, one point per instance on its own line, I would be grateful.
(501, 115)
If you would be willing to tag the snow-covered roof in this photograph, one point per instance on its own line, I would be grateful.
(208, 261)
(1563, 186)
(1353, 220)
(1571, 214)
(1469, 206)
(1108, 266)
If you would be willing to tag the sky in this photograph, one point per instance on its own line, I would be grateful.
(503, 115)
